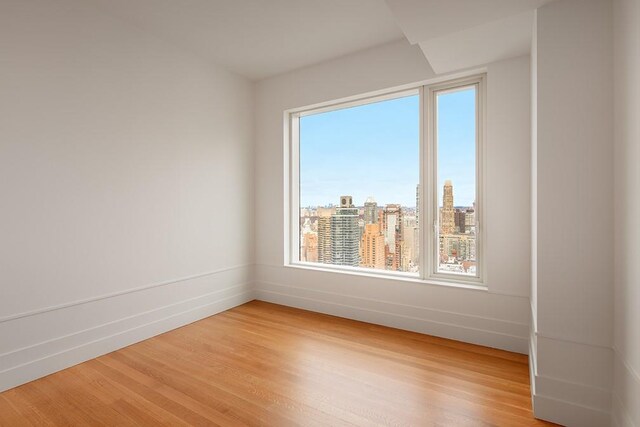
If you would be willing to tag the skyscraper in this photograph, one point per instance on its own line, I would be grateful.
(460, 216)
(324, 236)
(345, 234)
(370, 211)
(392, 231)
(410, 237)
(372, 247)
(447, 216)
(310, 246)
(470, 220)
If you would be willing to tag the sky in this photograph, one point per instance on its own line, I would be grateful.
(373, 150)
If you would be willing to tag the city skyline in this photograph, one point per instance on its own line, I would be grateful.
(387, 237)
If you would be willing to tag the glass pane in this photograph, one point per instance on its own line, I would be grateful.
(359, 171)
(456, 140)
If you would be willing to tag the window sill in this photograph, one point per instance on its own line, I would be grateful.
(398, 276)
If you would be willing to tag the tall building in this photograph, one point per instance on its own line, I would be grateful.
(345, 234)
(470, 220)
(310, 247)
(305, 228)
(392, 231)
(372, 247)
(410, 237)
(370, 211)
(391, 221)
(324, 236)
(460, 216)
(447, 217)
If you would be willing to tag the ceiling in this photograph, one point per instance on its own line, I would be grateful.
(262, 38)
(459, 34)
(494, 41)
(427, 19)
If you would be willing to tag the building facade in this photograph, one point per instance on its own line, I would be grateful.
(345, 234)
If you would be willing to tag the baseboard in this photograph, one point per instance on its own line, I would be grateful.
(567, 413)
(150, 312)
(565, 394)
(626, 394)
(484, 331)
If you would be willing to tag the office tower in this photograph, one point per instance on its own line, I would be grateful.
(324, 236)
(392, 231)
(396, 263)
(344, 232)
(372, 247)
(447, 219)
(460, 216)
(410, 237)
(391, 220)
(470, 220)
(310, 246)
(305, 228)
(370, 211)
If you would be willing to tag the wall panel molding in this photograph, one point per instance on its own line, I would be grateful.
(625, 407)
(570, 382)
(116, 294)
(87, 329)
(483, 330)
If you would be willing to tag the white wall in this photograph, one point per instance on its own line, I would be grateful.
(626, 390)
(573, 185)
(499, 317)
(126, 182)
(534, 183)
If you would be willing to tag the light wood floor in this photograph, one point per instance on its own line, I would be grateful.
(265, 364)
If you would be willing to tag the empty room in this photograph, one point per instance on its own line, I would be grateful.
(320, 213)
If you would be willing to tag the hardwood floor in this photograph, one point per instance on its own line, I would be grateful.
(265, 364)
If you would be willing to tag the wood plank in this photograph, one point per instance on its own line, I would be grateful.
(265, 364)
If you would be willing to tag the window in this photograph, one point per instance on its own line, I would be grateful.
(455, 141)
(389, 184)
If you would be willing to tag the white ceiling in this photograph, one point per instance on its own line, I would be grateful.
(261, 38)
(493, 41)
(459, 34)
(426, 19)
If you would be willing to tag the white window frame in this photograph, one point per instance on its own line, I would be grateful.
(429, 203)
(430, 118)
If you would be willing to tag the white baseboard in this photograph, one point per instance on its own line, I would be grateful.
(88, 329)
(570, 396)
(568, 414)
(484, 331)
(626, 394)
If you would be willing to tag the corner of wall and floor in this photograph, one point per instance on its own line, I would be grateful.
(112, 235)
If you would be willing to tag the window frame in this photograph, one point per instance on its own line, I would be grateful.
(431, 119)
(428, 204)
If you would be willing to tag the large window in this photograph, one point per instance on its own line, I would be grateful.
(389, 184)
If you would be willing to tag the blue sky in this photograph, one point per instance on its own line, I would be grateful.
(373, 150)
(457, 145)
